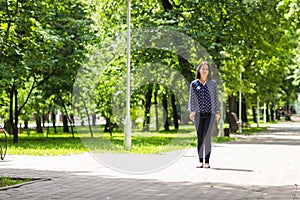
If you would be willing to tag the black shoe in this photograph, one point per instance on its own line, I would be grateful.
(207, 165)
(200, 166)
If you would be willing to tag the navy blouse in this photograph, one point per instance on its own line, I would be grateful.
(203, 98)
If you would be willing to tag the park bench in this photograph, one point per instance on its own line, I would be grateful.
(3, 143)
(235, 124)
(236, 119)
(238, 122)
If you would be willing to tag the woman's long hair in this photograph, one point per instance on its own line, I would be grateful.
(198, 75)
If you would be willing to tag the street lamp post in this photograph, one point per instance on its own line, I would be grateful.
(128, 123)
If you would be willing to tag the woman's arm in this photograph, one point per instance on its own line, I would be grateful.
(217, 104)
(191, 103)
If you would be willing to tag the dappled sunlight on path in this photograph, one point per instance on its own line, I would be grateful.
(281, 133)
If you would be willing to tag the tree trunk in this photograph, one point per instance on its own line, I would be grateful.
(26, 124)
(185, 68)
(72, 120)
(94, 119)
(148, 98)
(43, 121)
(89, 122)
(165, 111)
(175, 114)
(65, 124)
(244, 111)
(267, 113)
(48, 124)
(38, 122)
(15, 127)
(53, 117)
(11, 125)
(272, 112)
(254, 114)
(108, 126)
(11, 116)
(166, 5)
(156, 108)
(232, 108)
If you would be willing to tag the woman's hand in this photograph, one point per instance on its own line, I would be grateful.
(217, 116)
(192, 116)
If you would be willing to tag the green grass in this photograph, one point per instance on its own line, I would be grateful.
(222, 139)
(151, 142)
(56, 145)
(8, 181)
(252, 130)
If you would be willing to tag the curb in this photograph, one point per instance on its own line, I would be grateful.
(34, 180)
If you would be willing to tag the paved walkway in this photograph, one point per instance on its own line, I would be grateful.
(263, 166)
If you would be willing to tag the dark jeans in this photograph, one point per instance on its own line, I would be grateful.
(204, 123)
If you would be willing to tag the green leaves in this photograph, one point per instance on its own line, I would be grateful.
(44, 43)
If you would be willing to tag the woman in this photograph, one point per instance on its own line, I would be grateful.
(204, 110)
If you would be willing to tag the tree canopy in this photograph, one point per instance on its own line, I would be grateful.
(44, 44)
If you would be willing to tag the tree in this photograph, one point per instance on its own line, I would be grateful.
(37, 47)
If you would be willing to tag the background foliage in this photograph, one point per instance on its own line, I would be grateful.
(44, 43)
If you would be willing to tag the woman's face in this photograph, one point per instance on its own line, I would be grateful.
(204, 71)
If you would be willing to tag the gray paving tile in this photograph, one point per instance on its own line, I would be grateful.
(263, 166)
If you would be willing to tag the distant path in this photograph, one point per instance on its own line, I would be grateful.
(282, 133)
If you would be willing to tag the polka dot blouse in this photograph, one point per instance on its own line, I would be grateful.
(203, 98)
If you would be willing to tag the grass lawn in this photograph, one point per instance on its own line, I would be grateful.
(8, 181)
(151, 142)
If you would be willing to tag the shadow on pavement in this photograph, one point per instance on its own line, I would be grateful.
(231, 169)
(69, 185)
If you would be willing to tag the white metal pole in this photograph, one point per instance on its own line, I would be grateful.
(128, 123)
(265, 112)
(240, 107)
(221, 130)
